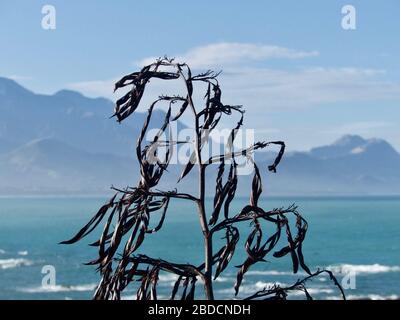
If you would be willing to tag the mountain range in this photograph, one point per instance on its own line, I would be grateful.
(349, 166)
(65, 143)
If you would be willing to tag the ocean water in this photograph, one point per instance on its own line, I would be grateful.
(356, 236)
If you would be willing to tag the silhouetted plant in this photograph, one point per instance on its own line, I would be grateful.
(132, 211)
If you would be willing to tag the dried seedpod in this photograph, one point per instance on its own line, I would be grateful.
(129, 214)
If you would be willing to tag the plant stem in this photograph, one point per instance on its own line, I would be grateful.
(208, 286)
(208, 252)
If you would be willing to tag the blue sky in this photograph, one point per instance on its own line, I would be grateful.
(299, 74)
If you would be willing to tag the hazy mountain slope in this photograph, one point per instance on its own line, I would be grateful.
(358, 166)
(66, 143)
(66, 116)
(51, 166)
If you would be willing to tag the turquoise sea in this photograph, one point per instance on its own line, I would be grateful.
(356, 235)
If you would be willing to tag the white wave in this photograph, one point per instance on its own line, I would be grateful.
(252, 287)
(363, 268)
(14, 263)
(60, 288)
(335, 298)
(23, 253)
(168, 277)
(129, 297)
(133, 297)
(270, 273)
(312, 291)
(371, 296)
(225, 279)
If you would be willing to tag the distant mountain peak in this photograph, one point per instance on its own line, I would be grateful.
(375, 141)
(9, 82)
(65, 93)
(11, 87)
(352, 145)
(350, 140)
(79, 98)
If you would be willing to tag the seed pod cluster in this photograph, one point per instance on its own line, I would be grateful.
(133, 214)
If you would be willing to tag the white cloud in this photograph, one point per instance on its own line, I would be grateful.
(361, 127)
(262, 90)
(228, 53)
(96, 88)
(265, 89)
(275, 96)
(17, 77)
(272, 89)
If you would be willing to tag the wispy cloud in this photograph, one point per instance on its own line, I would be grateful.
(361, 127)
(270, 89)
(95, 88)
(228, 53)
(275, 89)
(274, 96)
(17, 77)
